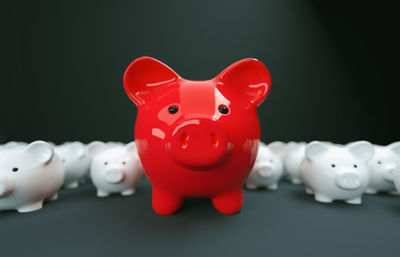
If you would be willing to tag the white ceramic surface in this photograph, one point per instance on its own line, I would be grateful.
(294, 155)
(268, 168)
(28, 176)
(333, 172)
(382, 167)
(115, 168)
(76, 162)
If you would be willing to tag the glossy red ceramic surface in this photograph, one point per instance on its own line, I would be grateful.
(197, 138)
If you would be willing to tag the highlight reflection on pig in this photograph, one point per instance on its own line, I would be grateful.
(197, 138)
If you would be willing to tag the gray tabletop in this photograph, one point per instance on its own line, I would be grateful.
(286, 222)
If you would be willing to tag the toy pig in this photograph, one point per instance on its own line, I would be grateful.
(294, 155)
(197, 138)
(114, 168)
(76, 161)
(268, 167)
(332, 172)
(382, 167)
(396, 179)
(28, 176)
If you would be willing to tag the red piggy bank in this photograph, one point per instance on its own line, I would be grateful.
(197, 138)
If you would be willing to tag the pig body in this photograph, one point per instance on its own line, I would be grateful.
(294, 156)
(268, 167)
(396, 180)
(197, 138)
(115, 168)
(28, 176)
(382, 167)
(333, 172)
(76, 162)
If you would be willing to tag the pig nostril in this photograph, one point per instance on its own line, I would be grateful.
(214, 140)
(184, 140)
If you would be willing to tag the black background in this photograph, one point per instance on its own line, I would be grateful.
(332, 64)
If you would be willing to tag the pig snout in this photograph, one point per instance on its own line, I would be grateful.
(6, 187)
(265, 171)
(114, 176)
(348, 180)
(389, 172)
(198, 143)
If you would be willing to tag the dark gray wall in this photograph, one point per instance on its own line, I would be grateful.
(332, 64)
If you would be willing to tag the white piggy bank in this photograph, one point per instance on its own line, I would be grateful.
(294, 155)
(28, 176)
(268, 167)
(332, 172)
(76, 161)
(382, 168)
(115, 168)
(396, 179)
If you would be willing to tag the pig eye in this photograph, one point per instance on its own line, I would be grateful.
(379, 162)
(223, 109)
(333, 165)
(173, 109)
(271, 161)
(15, 169)
(105, 163)
(123, 163)
(355, 166)
(63, 160)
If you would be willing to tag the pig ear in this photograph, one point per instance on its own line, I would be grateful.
(277, 147)
(96, 147)
(314, 149)
(291, 146)
(144, 75)
(40, 151)
(249, 79)
(10, 144)
(131, 147)
(361, 149)
(78, 149)
(395, 148)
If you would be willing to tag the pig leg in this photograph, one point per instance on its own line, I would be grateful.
(273, 187)
(322, 198)
(129, 191)
(164, 202)
(394, 193)
(309, 191)
(52, 198)
(250, 186)
(296, 181)
(31, 207)
(74, 184)
(370, 191)
(101, 193)
(356, 200)
(228, 202)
